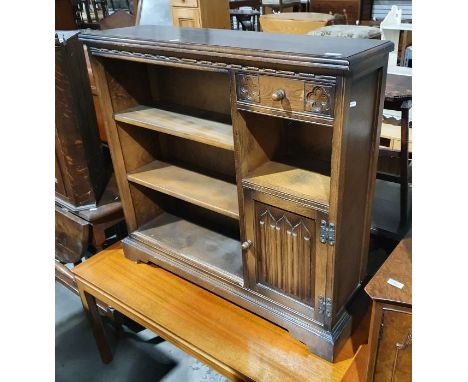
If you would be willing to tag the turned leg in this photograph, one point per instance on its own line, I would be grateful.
(92, 312)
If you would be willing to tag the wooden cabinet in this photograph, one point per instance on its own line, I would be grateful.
(356, 10)
(201, 14)
(247, 165)
(80, 171)
(86, 198)
(390, 336)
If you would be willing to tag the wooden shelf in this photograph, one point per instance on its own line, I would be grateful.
(195, 243)
(291, 180)
(180, 125)
(204, 191)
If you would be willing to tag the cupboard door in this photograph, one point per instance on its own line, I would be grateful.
(186, 17)
(394, 355)
(287, 262)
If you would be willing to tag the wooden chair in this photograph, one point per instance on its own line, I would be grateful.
(280, 5)
(398, 97)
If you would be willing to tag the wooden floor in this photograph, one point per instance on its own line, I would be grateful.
(233, 341)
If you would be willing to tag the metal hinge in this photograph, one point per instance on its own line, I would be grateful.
(327, 233)
(381, 329)
(325, 306)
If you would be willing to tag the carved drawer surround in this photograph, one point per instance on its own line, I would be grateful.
(301, 99)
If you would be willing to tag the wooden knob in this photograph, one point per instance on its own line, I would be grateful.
(246, 245)
(278, 95)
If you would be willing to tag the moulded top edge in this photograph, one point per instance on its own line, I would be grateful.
(298, 48)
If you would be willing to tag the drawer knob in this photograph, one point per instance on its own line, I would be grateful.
(246, 245)
(278, 95)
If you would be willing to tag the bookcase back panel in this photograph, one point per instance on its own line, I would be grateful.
(128, 84)
(150, 203)
(207, 91)
(205, 159)
(297, 144)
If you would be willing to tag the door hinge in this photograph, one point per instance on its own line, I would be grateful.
(325, 306)
(327, 233)
(381, 329)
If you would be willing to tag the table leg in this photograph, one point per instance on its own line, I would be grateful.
(92, 312)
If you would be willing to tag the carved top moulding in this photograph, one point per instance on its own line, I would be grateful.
(249, 50)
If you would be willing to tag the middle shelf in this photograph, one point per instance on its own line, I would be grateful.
(202, 190)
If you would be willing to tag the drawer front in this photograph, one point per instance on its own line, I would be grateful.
(71, 236)
(294, 98)
(185, 3)
(394, 355)
(186, 17)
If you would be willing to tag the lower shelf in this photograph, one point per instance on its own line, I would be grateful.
(197, 244)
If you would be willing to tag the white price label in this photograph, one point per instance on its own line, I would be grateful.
(395, 283)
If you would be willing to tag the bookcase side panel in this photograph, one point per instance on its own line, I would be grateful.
(356, 177)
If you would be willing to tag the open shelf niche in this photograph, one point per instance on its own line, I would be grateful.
(289, 157)
(179, 159)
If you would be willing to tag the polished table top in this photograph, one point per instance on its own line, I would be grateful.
(235, 342)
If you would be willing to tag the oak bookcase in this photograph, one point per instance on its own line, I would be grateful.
(246, 163)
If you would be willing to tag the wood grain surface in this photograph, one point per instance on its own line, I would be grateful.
(238, 344)
(184, 126)
(292, 180)
(183, 238)
(211, 193)
(398, 267)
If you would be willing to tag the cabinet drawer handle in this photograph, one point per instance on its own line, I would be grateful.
(246, 245)
(278, 95)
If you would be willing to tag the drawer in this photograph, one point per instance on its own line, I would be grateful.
(185, 3)
(285, 96)
(71, 236)
(186, 17)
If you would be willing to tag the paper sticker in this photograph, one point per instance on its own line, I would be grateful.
(395, 283)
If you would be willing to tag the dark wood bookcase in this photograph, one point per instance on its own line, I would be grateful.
(246, 163)
(81, 172)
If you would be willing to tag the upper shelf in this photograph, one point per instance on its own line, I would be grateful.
(181, 125)
(204, 191)
(291, 180)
